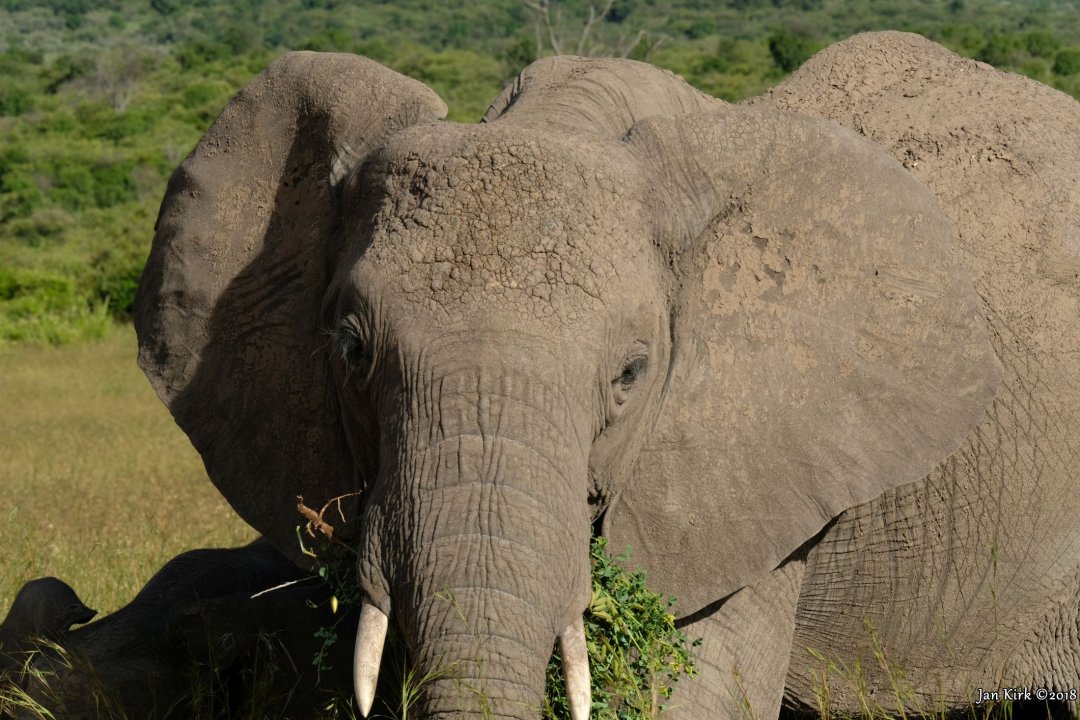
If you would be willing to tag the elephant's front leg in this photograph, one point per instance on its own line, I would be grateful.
(743, 657)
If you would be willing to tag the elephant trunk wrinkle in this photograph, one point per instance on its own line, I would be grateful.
(466, 687)
(509, 405)
(485, 551)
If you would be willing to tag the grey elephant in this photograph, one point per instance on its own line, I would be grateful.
(830, 401)
(199, 633)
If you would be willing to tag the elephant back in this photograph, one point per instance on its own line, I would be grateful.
(987, 546)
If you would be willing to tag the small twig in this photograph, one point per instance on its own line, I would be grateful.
(593, 19)
(627, 49)
(278, 587)
(315, 520)
(542, 11)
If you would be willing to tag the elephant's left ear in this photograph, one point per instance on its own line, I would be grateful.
(827, 345)
(229, 311)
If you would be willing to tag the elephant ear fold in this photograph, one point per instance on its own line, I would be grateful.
(604, 96)
(228, 309)
(827, 346)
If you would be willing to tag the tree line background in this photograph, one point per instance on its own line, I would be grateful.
(101, 99)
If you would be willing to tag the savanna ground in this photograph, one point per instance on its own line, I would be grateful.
(100, 487)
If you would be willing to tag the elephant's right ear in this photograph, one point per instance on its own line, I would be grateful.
(228, 310)
(827, 345)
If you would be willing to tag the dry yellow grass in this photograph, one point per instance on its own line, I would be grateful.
(97, 484)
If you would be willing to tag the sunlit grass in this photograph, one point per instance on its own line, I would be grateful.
(100, 488)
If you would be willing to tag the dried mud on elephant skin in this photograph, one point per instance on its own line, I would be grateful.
(985, 552)
(838, 306)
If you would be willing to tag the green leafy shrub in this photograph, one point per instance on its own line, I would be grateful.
(43, 226)
(193, 55)
(1067, 62)
(789, 50)
(20, 195)
(1042, 44)
(999, 50)
(64, 68)
(15, 99)
(329, 40)
(47, 307)
(636, 655)
(100, 120)
(116, 280)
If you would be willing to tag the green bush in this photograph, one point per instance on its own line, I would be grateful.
(636, 655)
(198, 53)
(44, 226)
(789, 50)
(100, 120)
(116, 279)
(699, 28)
(113, 183)
(89, 184)
(20, 192)
(1042, 44)
(47, 307)
(64, 68)
(37, 291)
(1067, 62)
(999, 50)
(329, 40)
(15, 99)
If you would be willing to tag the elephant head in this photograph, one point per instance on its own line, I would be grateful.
(43, 609)
(715, 328)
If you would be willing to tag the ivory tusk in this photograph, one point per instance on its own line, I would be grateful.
(367, 655)
(575, 663)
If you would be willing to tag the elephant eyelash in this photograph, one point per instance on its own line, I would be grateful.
(632, 370)
(353, 350)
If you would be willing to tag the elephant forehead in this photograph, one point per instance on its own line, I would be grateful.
(528, 220)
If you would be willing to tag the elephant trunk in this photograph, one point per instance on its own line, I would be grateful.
(478, 549)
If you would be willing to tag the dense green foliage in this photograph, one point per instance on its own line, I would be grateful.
(636, 655)
(100, 100)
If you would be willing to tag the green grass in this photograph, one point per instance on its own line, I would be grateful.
(100, 486)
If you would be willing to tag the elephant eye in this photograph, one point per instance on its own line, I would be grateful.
(633, 369)
(355, 353)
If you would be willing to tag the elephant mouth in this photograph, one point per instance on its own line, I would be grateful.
(371, 638)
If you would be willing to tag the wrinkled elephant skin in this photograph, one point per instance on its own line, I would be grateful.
(820, 378)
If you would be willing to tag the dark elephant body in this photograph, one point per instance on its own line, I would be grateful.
(43, 610)
(233, 627)
(828, 400)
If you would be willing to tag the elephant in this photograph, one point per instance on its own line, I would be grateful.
(811, 357)
(199, 632)
(43, 609)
